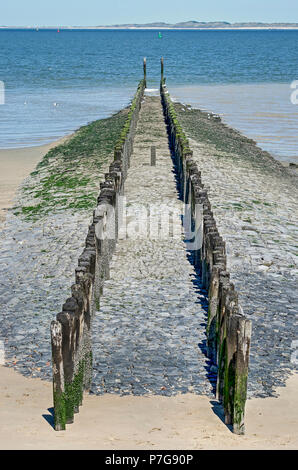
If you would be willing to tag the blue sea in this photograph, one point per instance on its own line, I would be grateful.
(55, 82)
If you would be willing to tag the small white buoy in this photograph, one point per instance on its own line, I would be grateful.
(55, 104)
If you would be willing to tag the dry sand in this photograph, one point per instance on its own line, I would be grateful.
(15, 166)
(130, 422)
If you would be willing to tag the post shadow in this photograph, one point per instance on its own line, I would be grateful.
(50, 417)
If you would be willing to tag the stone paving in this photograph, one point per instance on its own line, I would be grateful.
(36, 271)
(149, 335)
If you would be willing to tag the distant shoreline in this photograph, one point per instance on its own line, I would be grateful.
(154, 28)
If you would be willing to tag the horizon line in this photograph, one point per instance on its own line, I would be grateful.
(192, 24)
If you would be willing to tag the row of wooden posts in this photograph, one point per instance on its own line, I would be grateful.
(71, 331)
(228, 330)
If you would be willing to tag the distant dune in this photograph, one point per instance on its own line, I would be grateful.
(206, 25)
(181, 25)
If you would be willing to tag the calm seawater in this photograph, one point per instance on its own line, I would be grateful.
(55, 82)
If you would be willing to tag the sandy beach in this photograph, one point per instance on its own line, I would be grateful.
(150, 422)
(15, 166)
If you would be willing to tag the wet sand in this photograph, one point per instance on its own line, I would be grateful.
(15, 166)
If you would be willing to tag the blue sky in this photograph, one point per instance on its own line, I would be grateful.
(100, 12)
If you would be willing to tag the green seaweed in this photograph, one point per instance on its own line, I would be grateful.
(59, 411)
(68, 175)
(68, 402)
(240, 394)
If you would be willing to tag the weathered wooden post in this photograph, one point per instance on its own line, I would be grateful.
(212, 325)
(236, 371)
(153, 155)
(58, 376)
(145, 71)
(161, 69)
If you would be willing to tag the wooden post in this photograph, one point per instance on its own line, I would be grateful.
(67, 320)
(223, 292)
(212, 325)
(145, 71)
(236, 371)
(58, 376)
(161, 69)
(153, 155)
